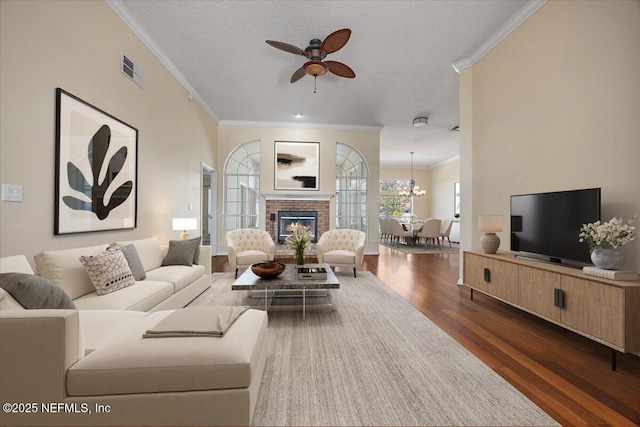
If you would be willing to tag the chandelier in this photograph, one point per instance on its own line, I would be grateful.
(412, 190)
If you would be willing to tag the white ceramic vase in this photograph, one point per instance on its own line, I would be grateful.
(607, 258)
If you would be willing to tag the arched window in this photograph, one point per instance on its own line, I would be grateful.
(242, 187)
(352, 177)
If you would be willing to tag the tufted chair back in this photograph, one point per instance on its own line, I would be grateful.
(342, 247)
(246, 239)
(246, 246)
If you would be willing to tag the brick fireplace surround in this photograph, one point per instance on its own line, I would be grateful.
(273, 206)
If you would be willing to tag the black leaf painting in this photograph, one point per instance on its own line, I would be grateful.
(97, 153)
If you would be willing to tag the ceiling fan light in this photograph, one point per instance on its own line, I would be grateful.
(420, 121)
(315, 68)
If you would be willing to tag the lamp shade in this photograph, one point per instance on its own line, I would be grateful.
(490, 223)
(185, 224)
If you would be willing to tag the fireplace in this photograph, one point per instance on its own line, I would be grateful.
(288, 219)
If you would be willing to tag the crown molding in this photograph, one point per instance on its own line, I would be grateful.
(529, 9)
(320, 197)
(418, 167)
(135, 26)
(298, 125)
(444, 162)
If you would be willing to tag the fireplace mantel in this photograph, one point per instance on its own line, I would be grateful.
(320, 197)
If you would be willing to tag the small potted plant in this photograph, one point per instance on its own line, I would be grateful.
(604, 239)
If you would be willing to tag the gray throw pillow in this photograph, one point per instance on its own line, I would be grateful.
(181, 252)
(135, 264)
(35, 292)
(197, 254)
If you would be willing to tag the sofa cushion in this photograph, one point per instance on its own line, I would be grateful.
(196, 255)
(135, 264)
(180, 276)
(142, 296)
(98, 326)
(129, 363)
(108, 270)
(149, 251)
(7, 302)
(251, 257)
(15, 264)
(34, 292)
(181, 252)
(63, 268)
(340, 257)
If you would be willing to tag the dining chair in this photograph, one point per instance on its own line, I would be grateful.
(445, 230)
(430, 231)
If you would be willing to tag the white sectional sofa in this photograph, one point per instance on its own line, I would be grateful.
(165, 287)
(93, 367)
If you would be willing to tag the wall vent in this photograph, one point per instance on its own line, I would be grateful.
(131, 70)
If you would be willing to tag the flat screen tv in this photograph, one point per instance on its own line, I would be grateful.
(547, 225)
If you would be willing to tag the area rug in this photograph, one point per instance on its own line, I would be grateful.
(376, 360)
(422, 249)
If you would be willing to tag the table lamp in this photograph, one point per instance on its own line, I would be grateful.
(490, 225)
(185, 224)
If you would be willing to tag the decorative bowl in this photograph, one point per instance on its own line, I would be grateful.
(268, 270)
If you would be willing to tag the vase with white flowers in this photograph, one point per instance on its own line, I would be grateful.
(298, 241)
(604, 239)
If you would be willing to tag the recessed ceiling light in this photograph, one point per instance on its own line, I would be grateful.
(298, 116)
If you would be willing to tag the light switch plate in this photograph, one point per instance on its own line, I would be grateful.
(11, 193)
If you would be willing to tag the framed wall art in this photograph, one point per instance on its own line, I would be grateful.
(96, 169)
(297, 165)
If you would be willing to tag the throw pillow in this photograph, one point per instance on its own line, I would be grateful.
(108, 270)
(197, 254)
(181, 252)
(133, 259)
(35, 292)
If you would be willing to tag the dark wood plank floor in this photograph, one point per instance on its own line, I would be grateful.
(564, 373)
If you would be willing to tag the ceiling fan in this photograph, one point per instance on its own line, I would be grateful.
(316, 52)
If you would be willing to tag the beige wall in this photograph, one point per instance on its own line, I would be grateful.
(441, 192)
(555, 106)
(76, 45)
(366, 142)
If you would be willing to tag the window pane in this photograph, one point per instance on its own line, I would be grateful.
(241, 185)
(351, 188)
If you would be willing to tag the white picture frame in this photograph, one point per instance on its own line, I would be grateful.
(297, 165)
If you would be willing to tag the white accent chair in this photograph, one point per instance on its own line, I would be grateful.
(342, 248)
(247, 246)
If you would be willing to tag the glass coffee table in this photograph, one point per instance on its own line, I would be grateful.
(287, 291)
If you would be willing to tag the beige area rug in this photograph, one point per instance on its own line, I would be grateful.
(422, 249)
(376, 360)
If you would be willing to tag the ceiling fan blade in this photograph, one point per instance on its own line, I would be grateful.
(287, 47)
(300, 73)
(336, 40)
(340, 69)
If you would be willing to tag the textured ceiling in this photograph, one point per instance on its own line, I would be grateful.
(401, 52)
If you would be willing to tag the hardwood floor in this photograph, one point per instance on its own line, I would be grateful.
(567, 375)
